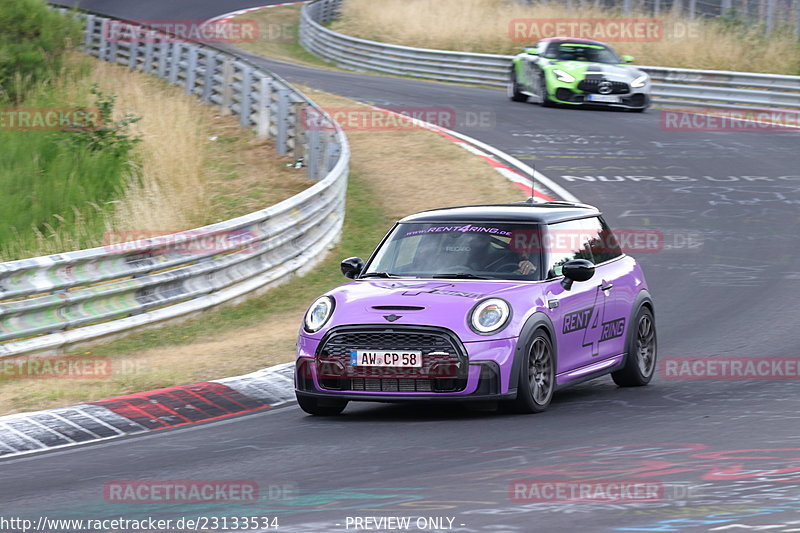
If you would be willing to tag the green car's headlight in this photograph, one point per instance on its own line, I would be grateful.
(566, 77)
(489, 316)
(640, 81)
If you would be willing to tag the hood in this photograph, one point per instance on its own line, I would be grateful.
(443, 303)
(581, 69)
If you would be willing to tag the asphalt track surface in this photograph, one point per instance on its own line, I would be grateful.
(725, 454)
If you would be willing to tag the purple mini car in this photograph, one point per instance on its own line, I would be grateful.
(492, 302)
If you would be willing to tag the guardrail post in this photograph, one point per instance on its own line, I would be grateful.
(313, 152)
(282, 137)
(191, 70)
(133, 54)
(227, 86)
(175, 61)
(245, 107)
(89, 37)
(163, 56)
(262, 114)
(210, 67)
(147, 67)
(112, 51)
(770, 22)
(627, 7)
(102, 43)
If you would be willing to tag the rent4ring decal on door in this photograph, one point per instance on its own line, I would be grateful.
(591, 321)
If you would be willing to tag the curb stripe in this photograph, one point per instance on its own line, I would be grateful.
(177, 406)
(228, 16)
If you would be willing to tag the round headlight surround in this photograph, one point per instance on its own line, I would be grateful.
(324, 303)
(484, 309)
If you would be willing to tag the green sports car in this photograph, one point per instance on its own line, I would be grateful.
(569, 71)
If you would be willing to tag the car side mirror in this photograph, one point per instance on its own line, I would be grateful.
(627, 59)
(352, 267)
(576, 270)
(530, 50)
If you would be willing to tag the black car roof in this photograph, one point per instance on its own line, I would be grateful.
(540, 213)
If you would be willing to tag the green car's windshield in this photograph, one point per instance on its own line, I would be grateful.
(461, 251)
(592, 53)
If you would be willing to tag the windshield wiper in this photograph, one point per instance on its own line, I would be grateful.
(378, 275)
(459, 275)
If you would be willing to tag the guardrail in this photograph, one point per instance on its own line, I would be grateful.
(670, 86)
(47, 303)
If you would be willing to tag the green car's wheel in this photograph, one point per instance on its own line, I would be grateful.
(544, 100)
(514, 92)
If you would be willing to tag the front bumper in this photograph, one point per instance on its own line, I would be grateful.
(483, 373)
(629, 100)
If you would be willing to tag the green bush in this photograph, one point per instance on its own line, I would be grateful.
(33, 41)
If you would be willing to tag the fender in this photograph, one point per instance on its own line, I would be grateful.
(641, 299)
(536, 321)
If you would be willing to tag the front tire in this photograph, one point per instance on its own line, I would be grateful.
(537, 377)
(321, 406)
(544, 99)
(640, 362)
(514, 93)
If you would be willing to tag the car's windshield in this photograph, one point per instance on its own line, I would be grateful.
(593, 53)
(460, 250)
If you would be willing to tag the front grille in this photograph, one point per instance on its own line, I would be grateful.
(392, 385)
(591, 85)
(444, 363)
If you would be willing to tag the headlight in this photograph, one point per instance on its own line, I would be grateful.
(563, 76)
(640, 81)
(318, 314)
(489, 316)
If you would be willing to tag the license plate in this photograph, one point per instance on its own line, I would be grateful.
(605, 98)
(396, 358)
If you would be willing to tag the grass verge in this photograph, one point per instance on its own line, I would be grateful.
(484, 26)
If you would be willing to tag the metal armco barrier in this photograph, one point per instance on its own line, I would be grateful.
(674, 87)
(48, 303)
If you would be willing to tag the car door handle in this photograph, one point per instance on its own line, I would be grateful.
(606, 287)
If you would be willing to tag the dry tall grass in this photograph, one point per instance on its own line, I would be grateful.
(192, 167)
(168, 191)
(483, 26)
